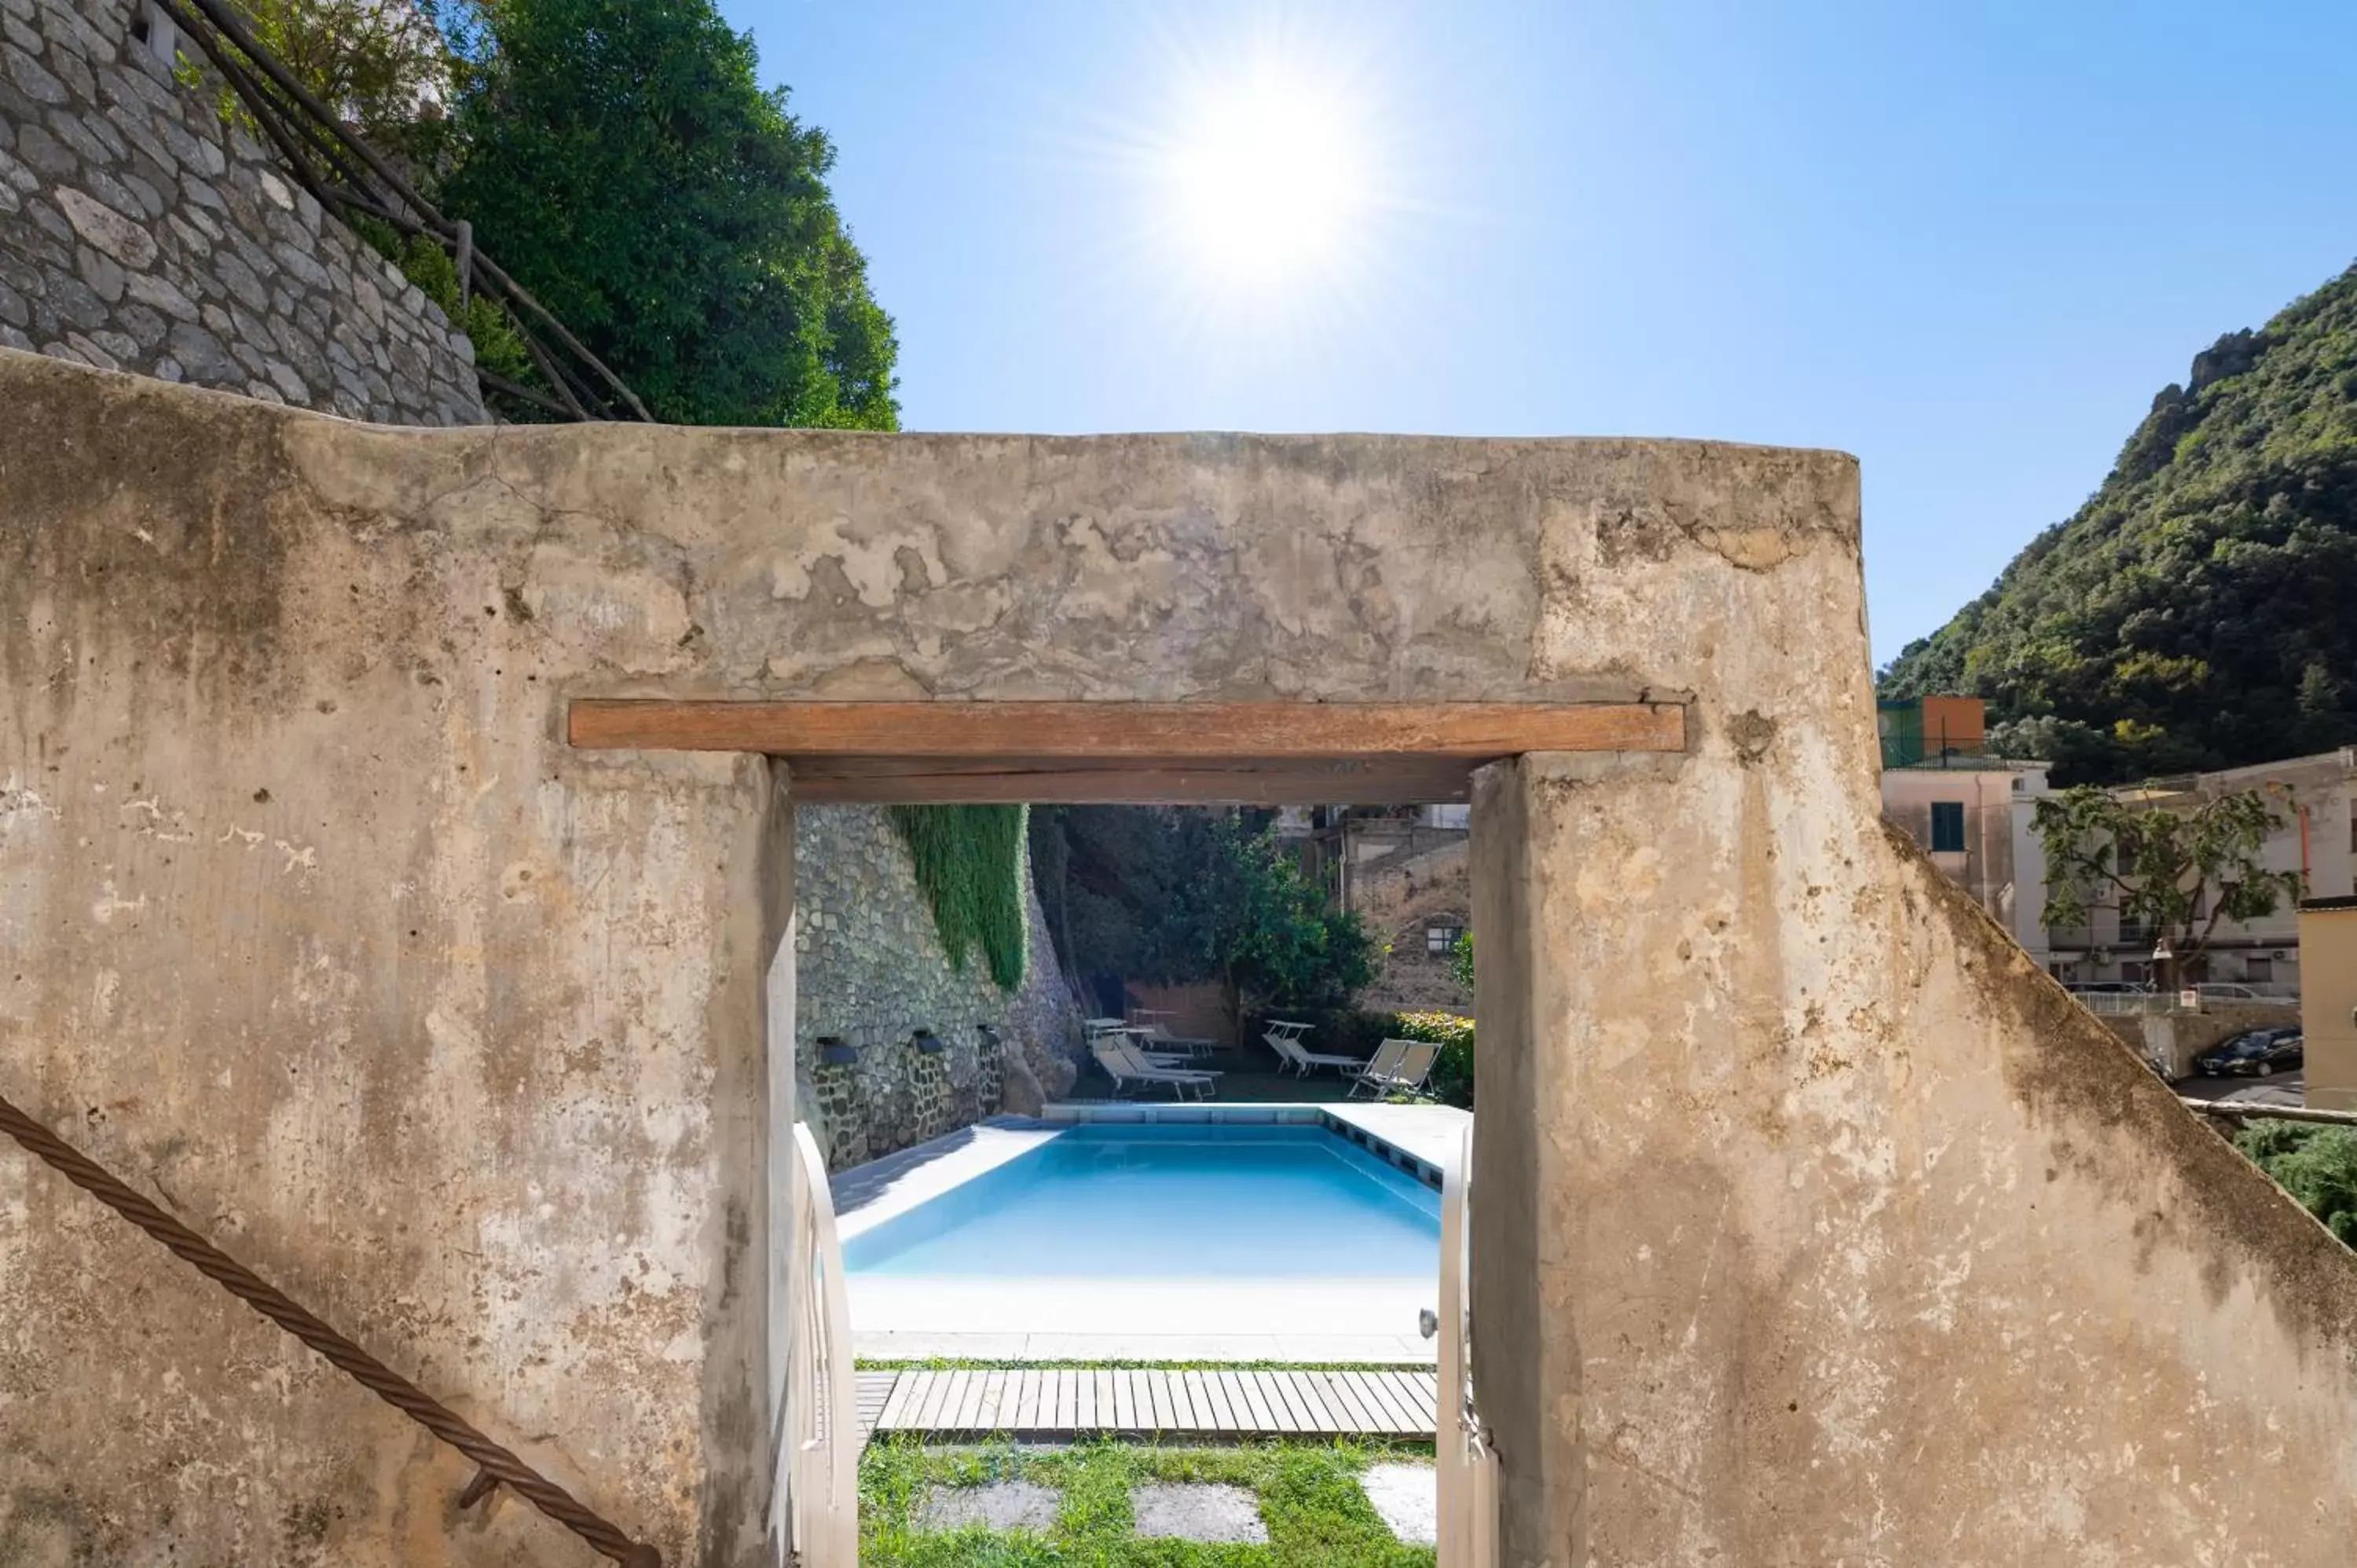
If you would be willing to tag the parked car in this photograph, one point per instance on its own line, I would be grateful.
(2110, 987)
(2228, 990)
(2259, 1052)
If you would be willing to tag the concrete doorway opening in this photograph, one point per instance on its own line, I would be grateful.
(1182, 754)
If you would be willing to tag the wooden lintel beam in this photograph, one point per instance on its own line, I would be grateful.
(1161, 732)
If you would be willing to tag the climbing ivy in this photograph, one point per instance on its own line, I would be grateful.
(970, 863)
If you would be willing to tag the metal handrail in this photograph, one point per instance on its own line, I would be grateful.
(815, 1479)
(336, 166)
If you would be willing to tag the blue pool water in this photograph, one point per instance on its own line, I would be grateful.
(1141, 1201)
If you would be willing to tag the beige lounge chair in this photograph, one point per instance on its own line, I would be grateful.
(1292, 1053)
(1401, 1071)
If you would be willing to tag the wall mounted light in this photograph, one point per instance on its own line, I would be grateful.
(932, 1045)
(834, 1050)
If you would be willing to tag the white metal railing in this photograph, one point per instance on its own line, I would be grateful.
(1467, 1466)
(2129, 1004)
(814, 1481)
(2192, 999)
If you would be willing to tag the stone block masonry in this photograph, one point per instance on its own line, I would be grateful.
(138, 231)
(871, 971)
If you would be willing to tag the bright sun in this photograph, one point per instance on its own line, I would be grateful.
(1269, 173)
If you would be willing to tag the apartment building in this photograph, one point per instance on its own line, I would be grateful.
(1974, 813)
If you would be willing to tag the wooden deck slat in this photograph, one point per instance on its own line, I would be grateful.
(1325, 1419)
(1182, 1404)
(1023, 1402)
(1280, 1409)
(1289, 1387)
(1385, 1406)
(937, 1393)
(1199, 1401)
(1215, 1388)
(1158, 1393)
(986, 1404)
(1417, 1392)
(1124, 1405)
(1059, 1401)
(1348, 1412)
(969, 1401)
(1251, 1416)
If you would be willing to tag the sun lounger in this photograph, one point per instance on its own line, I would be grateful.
(1292, 1053)
(1158, 1038)
(1124, 1064)
(1397, 1071)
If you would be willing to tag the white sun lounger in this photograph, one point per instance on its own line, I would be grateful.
(1157, 1036)
(1401, 1070)
(1291, 1053)
(1125, 1063)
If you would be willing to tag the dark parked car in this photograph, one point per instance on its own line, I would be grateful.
(2260, 1052)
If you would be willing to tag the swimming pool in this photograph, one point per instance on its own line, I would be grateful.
(1191, 1202)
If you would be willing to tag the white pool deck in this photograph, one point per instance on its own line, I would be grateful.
(1083, 1319)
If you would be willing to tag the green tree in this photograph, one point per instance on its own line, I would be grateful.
(1175, 896)
(1264, 931)
(1460, 962)
(622, 162)
(2316, 1165)
(2177, 871)
(381, 66)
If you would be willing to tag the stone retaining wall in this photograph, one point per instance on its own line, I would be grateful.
(871, 971)
(139, 232)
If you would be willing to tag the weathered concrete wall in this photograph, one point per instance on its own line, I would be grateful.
(1813, 1223)
(1812, 1226)
(872, 971)
(139, 232)
(315, 930)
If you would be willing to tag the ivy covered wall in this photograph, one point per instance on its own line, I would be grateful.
(873, 967)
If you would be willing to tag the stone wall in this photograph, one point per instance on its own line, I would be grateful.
(139, 232)
(871, 971)
(1425, 880)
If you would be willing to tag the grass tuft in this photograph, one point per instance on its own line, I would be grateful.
(1308, 1491)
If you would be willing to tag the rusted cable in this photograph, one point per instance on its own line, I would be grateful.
(379, 1380)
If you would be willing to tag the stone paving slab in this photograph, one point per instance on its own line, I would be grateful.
(1194, 1511)
(1001, 1505)
(1407, 1498)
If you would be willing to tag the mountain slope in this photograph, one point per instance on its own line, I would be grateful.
(2200, 609)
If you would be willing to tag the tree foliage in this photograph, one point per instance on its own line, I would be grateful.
(622, 162)
(1177, 897)
(381, 66)
(1460, 962)
(2316, 1165)
(2194, 612)
(2176, 872)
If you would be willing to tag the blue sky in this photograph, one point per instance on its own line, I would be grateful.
(1966, 243)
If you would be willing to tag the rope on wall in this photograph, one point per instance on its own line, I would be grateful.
(498, 1465)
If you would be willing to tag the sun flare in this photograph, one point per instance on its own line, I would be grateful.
(1269, 175)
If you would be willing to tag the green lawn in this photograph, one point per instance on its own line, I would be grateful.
(1309, 1493)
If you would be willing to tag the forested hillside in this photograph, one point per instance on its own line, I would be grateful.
(2200, 610)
